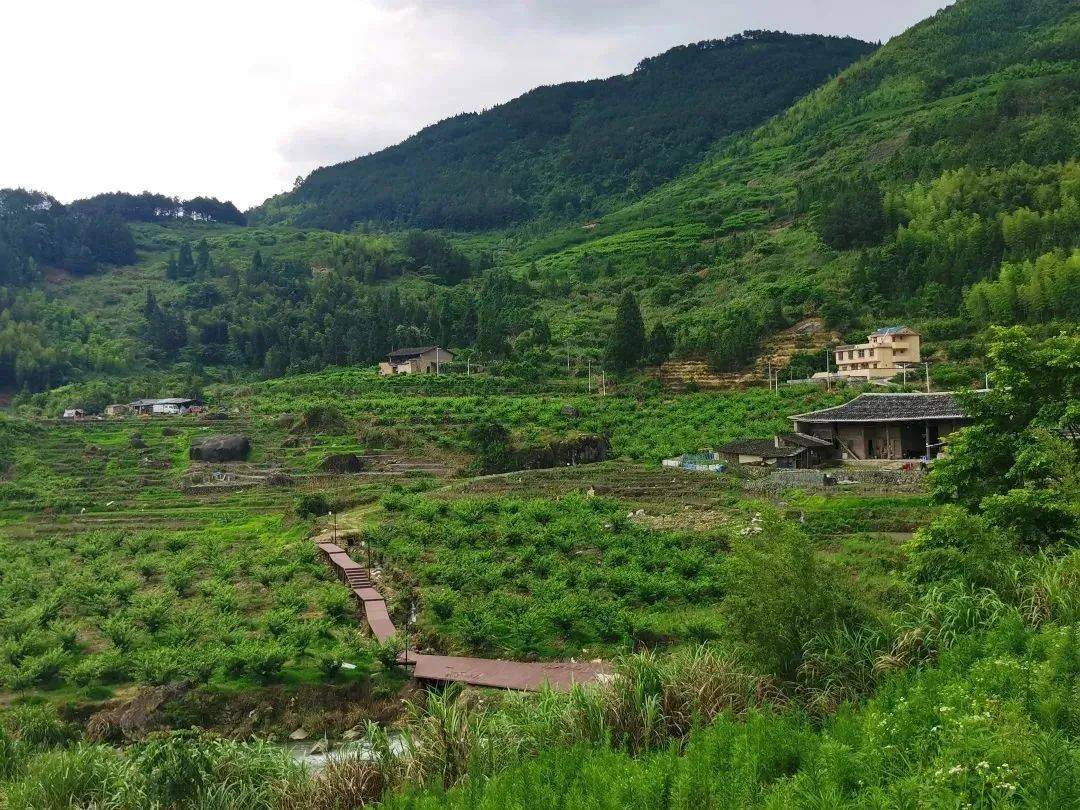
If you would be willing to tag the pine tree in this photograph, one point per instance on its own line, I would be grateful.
(203, 264)
(185, 262)
(626, 346)
(660, 344)
(542, 333)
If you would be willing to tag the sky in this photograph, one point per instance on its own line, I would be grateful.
(236, 98)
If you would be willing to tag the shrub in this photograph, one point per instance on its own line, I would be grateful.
(964, 546)
(37, 725)
(323, 419)
(312, 504)
(778, 596)
(83, 776)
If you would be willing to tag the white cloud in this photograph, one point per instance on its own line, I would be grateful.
(236, 99)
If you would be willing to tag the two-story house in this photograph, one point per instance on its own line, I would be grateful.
(885, 353)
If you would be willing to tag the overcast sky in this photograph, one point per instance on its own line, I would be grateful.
(235, 98)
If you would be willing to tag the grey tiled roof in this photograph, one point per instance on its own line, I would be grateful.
(802, 440)
(414, 351)
(889, 408)
(765, 448)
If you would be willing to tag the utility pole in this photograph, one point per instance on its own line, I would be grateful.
(927, 365)
(768, 365)
(568, 361)
(590, 375)
(468, 366)
(438, 364)
(603, 382)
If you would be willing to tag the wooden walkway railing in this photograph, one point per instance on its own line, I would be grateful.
(520, 676)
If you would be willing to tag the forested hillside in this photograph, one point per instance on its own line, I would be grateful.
(573, 150)
(934, 182)
(944, 160)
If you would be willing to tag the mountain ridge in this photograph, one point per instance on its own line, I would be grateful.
(562, 151)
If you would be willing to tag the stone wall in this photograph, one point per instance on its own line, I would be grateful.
(769, 481)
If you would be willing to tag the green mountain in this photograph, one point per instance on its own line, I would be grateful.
(942, 160)
(934, 182)
(570, 150)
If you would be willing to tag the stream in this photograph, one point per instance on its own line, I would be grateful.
(300, 750)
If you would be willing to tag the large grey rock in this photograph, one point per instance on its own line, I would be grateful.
(220, 448)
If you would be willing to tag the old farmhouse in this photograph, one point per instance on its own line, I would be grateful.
(785, 450)
(416, 360)
(886, 426)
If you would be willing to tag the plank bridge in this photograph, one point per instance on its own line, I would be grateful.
(496, 673)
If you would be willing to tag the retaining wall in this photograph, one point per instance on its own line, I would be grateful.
(765, 480)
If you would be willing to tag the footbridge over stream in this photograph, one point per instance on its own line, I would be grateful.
(488, 672)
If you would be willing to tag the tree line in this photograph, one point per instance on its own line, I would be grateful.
(151, 207)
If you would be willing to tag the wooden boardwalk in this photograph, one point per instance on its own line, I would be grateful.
(495, 673)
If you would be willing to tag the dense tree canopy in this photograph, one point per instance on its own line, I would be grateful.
(37, 232)
(567, 151)
(150, 207)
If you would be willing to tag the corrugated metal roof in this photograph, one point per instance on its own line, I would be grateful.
(802, 440)
(142, 403)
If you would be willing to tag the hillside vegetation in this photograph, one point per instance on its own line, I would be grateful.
(944, 159)
(569, 151)
(933, 182)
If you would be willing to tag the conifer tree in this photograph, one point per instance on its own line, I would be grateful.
(185, 262)
(626, 346)
(203, 264)
(660, 344)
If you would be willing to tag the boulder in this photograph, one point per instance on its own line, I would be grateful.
(170, 431)
(220, 448)
(299, 734)
(342, 464)
(136, 441)
(570, 412)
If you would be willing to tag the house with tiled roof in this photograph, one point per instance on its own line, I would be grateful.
(886, 426)
(785, 450)
(416, 360)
